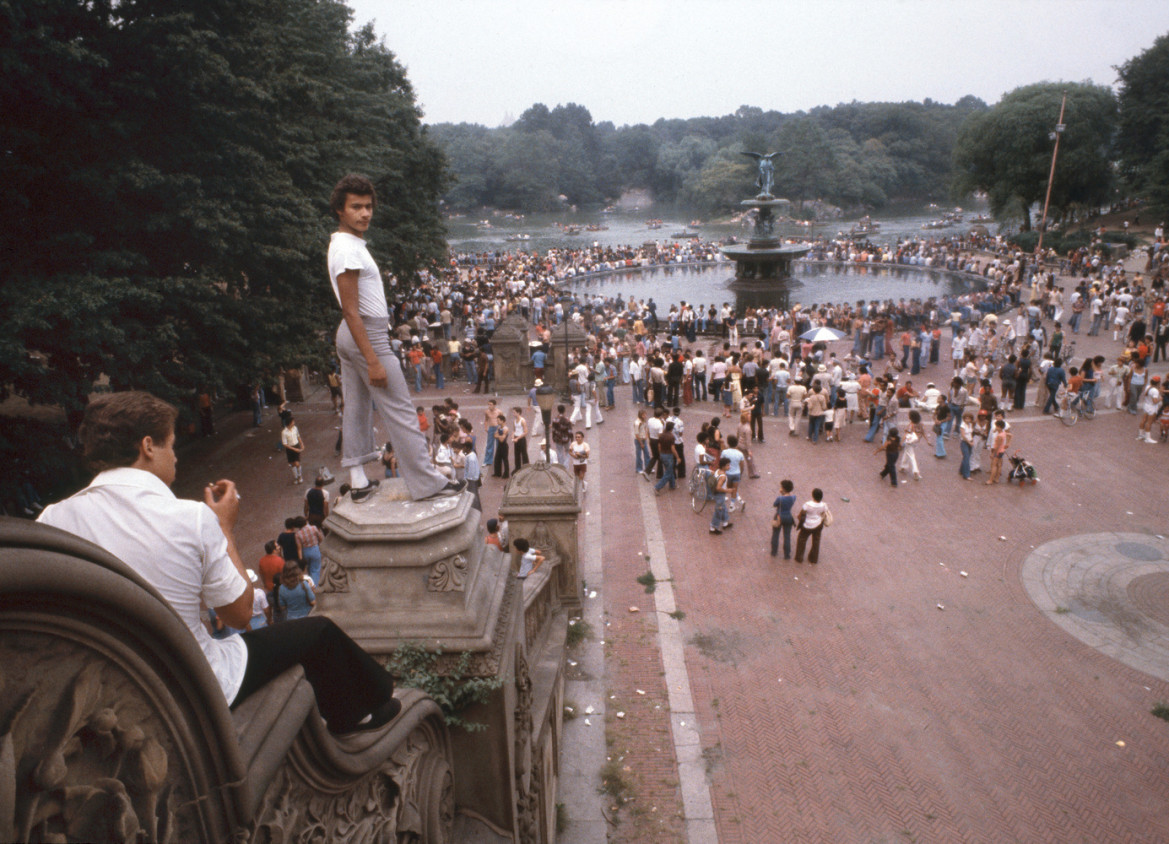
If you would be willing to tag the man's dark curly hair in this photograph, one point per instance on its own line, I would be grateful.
(351, 184)
(116, 423)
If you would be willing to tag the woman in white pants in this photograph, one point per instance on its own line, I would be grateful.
(913, 434)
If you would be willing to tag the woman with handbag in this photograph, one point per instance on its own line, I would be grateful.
(813, 518)
(783, 520)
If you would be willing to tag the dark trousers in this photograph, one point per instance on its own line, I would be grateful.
(801, 540)
(890, 469)
(757, 426)
(521, 453)
(655, 459)
(499, 466)
(347, 682)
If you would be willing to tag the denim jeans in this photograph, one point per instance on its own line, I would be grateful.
(786, 528)
(489, 451)
(964, 469)
(641, 455)
(668, 461)
(815, 426)
(719, 517)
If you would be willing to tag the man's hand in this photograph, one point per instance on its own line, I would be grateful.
(377, 374)
(223, 499)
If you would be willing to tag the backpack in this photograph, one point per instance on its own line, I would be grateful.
(711, 482)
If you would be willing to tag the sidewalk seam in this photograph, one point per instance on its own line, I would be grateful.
(697, 807)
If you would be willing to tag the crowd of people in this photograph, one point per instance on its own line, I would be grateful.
(910, 373)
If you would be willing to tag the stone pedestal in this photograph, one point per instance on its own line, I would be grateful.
(568, 335)
(541, 505)
(513, 357)
(396, 571)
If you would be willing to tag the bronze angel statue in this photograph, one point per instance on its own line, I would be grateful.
(766, 171)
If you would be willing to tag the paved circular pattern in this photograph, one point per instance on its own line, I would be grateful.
(1149, 593)
(1110, 591)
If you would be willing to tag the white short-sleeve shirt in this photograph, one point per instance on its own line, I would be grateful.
(175, 544)
(349, 252)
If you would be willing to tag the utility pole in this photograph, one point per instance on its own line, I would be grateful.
(1059, 127)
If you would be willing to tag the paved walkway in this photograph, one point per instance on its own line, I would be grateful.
(965, 663)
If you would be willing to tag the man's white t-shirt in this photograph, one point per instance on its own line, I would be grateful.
(349, 252)
(175, 544)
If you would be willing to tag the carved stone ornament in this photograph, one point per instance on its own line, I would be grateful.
(448, 575)
(538, 482)
(87, 761)
(409, 798)
(526, 787)
(334, 576)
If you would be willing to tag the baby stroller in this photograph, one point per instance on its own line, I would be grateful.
(1022, 471)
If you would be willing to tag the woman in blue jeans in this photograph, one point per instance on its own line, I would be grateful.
(783, 515)
(966, 434)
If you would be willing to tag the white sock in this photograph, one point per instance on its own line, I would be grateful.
(357, 477)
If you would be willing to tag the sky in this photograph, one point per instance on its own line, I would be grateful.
(634, 61)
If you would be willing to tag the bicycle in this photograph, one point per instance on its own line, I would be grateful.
(1069, 412)
(699, 492)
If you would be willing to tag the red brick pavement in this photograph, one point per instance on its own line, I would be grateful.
(845, 706)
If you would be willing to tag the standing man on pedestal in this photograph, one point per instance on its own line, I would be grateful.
(370, 373)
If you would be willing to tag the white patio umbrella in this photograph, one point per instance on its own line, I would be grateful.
(823, 334)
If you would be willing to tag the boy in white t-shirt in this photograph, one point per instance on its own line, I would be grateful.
(370, 373)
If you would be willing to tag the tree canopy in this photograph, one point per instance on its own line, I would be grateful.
(1143, 133)
(1007, 150)
(856, 154)
(165, 187)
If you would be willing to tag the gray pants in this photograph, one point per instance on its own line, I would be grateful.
(394, 405)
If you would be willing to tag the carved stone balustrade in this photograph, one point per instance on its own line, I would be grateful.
(398, 571)
(113, 728)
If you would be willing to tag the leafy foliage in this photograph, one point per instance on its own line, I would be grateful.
(1143, 132)
(1007, 150)
(453, 690)
(853, 154)
(165, 187)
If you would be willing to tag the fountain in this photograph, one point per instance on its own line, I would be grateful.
(764, 258)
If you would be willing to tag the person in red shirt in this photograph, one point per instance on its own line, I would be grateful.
(271, 565)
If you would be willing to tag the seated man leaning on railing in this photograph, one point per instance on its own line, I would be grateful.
(186, 550)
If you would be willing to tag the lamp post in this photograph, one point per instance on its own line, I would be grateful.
(567, 394)
(545, 398)
(1059, 127)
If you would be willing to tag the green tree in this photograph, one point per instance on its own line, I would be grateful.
(721, 184)
(807, 168)
(1142, 139)
(165, 183)
(1006, 151)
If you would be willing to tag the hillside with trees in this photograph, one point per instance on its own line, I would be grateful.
(853, 155)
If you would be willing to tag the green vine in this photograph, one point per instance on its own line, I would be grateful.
(415, 666)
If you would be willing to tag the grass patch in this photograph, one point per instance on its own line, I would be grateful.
(561, 818)
(614, 782)
(677, 615)
(570, 710)
(649, 582)
(1161, 710)
(578, 631)
(1062, 611)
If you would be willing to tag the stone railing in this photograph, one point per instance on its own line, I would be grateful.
(113, 728)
